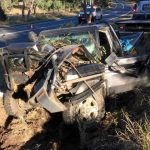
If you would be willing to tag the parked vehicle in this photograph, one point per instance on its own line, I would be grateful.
(74, 76)
(141, 10)
(140, 20)
(95, 12)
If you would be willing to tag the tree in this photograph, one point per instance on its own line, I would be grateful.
(23, 8)
(5, 4)
(3, 16)
(34, 8)
(102, 3)
(30, 8)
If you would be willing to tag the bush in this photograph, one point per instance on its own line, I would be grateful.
(58, 5)
(44, 5)
(103, 3)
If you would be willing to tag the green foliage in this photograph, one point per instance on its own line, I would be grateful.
(49, 4)
(103, 3)
(58, 4)
(5, 4)
(43, 4)
(54, 5)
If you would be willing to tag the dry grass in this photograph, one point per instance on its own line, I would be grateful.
(14, 16)
(126, 125)
(137, 121)
(137, 132)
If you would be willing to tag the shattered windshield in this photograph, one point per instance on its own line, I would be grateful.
(79, 38)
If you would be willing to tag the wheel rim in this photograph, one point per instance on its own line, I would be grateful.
(88, 109)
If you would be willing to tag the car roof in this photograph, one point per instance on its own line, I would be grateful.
(72, 29)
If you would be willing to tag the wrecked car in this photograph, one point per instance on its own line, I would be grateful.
(77, 69)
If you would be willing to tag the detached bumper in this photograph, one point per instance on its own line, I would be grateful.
(51, 103)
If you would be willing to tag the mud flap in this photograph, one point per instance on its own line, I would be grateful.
(51, 103)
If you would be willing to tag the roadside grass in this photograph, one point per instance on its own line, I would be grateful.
(126, 125)
(137, 123)
(14, 16)
(137, 132)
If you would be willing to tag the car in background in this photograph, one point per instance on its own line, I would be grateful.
(141, 10)
(95, 11)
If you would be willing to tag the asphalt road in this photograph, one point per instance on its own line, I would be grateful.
(19, 33)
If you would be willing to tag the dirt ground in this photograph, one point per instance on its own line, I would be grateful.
(37, 131)
(14, 133)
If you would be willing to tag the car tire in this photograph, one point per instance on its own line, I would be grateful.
(87, 127)
(14, 107)
(85, 110)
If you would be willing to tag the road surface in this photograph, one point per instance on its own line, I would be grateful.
(19, 33)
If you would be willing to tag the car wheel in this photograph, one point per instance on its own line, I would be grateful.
(14, 107)
(69, 114)
(90, 109)
(87, 114)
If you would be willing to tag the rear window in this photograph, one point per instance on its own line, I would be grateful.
(146, 7)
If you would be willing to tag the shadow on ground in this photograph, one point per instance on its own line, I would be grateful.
(55, 135)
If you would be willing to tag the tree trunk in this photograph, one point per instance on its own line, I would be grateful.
(29, 12)
(34, 9)
(23, 9)
(30, 8)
